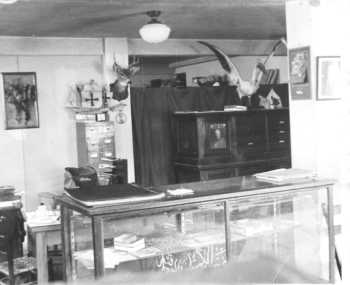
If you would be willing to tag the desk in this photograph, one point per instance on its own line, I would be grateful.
(43, 236)
(229, 194)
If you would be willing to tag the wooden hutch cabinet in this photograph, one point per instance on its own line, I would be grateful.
(221, 144)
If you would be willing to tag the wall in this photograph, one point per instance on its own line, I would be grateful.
(318, 128)
(33, 160)
(244, 64)
(153, 68)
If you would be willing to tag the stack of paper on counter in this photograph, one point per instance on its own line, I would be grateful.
(286, 175)
(129, 242)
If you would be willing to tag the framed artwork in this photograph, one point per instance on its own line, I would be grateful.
(299, 73)
(216, 137)
(21, 100)
(328, 77)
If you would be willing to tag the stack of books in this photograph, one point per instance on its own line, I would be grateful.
(8, 198)
(129, 242)
(283, 175)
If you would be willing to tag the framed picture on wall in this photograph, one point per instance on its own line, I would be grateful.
(328, 77)
(21, 100)
(299, 73)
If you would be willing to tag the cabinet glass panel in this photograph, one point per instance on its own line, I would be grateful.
(280, 238)
(169, 242)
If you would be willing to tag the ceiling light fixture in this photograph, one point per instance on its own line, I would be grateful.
(7, 1)
(154, 31)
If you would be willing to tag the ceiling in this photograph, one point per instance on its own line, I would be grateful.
(219, 19)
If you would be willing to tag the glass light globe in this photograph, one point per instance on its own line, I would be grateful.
(154, 32)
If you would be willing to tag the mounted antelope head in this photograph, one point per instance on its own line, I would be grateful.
(244, 87)
(119, 86)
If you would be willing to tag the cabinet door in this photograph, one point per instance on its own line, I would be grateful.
(251, 135)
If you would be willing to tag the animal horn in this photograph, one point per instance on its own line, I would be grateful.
(222, 57)
(283, 40)
(224, 60)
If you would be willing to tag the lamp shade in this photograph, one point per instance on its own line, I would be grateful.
(154, 32)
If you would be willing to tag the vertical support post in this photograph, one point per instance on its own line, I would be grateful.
(118, 48)
(331, 233)
(227, 230)
(41, 257)
(66, 243)
(98, 244)
(275, 234)
(180, 223)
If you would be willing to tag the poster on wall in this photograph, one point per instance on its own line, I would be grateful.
(328, 77)
(21, 100)
(299, 73)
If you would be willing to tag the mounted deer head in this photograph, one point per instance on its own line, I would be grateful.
(119, 86)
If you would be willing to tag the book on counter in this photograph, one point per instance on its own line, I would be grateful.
(286, 175)
(112, 194)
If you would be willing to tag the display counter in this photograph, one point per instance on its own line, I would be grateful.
(268, 231)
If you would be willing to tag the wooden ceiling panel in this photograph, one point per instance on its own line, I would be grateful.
(222, 19)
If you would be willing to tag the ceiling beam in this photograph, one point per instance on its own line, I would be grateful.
(152, 4)
(190, 47)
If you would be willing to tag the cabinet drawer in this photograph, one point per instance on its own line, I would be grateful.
(278, 120)
(279, 138)
(279, 144)
(108, 141)
(279, 132)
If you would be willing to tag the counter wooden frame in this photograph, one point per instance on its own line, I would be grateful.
(235, 190)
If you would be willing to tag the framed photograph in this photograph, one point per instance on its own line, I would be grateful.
(21, 100)
(299, 73)
(217, 140)
(328, 77)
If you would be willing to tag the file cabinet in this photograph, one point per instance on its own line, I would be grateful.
(96, 147)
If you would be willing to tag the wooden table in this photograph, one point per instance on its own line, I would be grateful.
(43, 236)
(218, 191)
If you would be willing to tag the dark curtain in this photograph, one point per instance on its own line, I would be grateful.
(152, 109)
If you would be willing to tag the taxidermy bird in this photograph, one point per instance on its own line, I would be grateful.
(244, 87)
(119, 86)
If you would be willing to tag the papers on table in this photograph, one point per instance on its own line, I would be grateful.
(284, 175)
(179, 192)
(43, 218)
(235, 108)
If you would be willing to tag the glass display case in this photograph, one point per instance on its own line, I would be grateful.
(255, 232)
